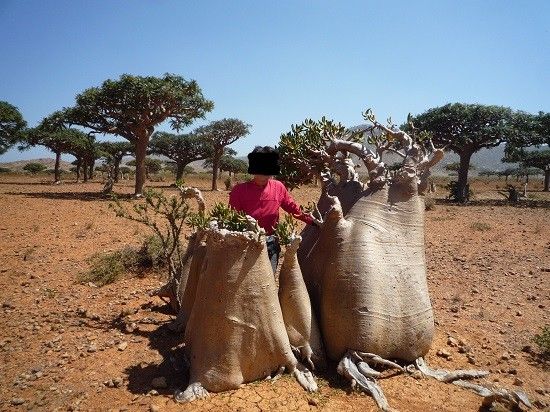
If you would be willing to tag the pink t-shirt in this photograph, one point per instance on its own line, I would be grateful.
(263, 203)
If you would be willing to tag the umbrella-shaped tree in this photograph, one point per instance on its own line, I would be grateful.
(132, 106)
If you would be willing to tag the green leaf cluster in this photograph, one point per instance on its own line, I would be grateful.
(228, 218)
(286, 230)
(11, 125)
(297, 150)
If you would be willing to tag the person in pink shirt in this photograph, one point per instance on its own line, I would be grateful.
(262, 196)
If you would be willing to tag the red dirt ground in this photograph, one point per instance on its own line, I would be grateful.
(488, 274)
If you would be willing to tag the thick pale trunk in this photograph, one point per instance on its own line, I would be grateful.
(236, 332)
(368, 273)
(300, 321)
(57, 174)
(141, 152)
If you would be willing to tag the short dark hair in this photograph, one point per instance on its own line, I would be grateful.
(264, 160)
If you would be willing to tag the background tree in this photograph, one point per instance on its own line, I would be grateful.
(521, 148)
(86, 150)
(468, 128)
(152, 166)
(538, 159)
(132, 106)
(219, 134)
(58, 140)
(455, 167)
(182, 149)
(34, 168)
(114, 152)
(11, 126)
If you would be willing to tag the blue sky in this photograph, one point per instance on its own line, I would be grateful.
(275, 63)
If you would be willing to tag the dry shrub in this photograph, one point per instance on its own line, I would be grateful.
(429, 203)
(480, 226)
(109, 267)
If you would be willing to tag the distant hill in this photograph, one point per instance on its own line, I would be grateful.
(18, 165)
(485, 159)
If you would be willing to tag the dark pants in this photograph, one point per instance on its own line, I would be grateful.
(273, 251)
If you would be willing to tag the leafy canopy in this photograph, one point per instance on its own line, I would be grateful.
(132, 105)
(466, 128)
(184, 148)
(11, 125)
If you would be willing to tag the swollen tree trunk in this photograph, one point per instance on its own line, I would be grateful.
(56, 168)
(462, 188)
(180, 166)
(547, 179)
(141, 152)
(300, 320)
(236, 334)
(367, 271)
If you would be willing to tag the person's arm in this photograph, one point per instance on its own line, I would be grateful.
(290, 206)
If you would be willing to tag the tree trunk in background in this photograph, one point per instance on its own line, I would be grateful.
(463, 176)
(547, 179)
(116, 168)
(91, 171)
(215, 167)
(179, 170)
(141, 152)
(85, 171)
(56, 168)
(78, 164)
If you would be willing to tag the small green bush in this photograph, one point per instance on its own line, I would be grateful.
(105, 268)
(109, 267)
(34, 168)
(5, 170)
(543, 341)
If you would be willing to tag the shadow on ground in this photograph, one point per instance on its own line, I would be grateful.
(523, 203)
(82, 196)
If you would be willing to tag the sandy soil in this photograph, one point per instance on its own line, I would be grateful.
(69, 346)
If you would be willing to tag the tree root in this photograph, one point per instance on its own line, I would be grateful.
(511, 398)
(305, 378)
(193, 392)
(446, 376)
(349, 368)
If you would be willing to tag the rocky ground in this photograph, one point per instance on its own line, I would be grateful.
(71, 346)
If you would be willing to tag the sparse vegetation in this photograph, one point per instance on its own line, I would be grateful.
(543, 341)
(34, 168)
(457, 194)
(286, 230)
(480, 226)
(429, 203)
